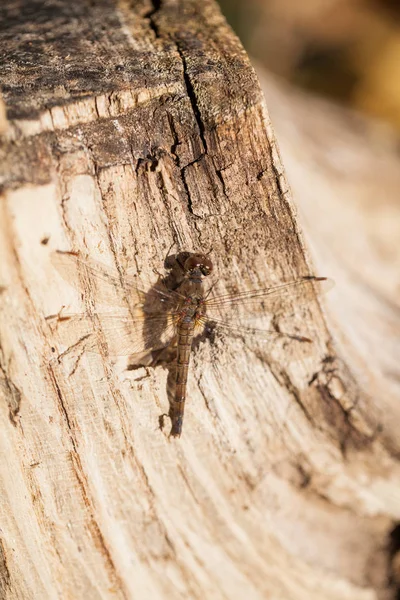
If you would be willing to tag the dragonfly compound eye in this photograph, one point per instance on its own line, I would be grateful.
(206, 268)
(199, 261)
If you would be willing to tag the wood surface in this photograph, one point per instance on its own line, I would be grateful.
(137, 129)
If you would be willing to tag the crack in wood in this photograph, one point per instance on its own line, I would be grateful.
(12, 394)
(5, 577)
(178, 163)
(220, 177)
(283, 379)
(192, 95)
(83, 485)
(150, 16)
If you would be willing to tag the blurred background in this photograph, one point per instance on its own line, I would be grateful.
(348, 50)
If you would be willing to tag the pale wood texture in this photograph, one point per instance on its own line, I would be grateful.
(134, 127)
(346, 177)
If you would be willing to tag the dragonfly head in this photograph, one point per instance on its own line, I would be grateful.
(198, 264)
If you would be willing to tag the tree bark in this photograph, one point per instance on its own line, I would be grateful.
(134, 128)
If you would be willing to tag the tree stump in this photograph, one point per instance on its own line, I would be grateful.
(134, 128)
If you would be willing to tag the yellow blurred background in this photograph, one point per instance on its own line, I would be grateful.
(348, 50)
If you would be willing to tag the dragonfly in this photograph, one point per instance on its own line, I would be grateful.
(174, 311)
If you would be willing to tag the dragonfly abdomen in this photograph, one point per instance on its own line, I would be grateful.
(185, 337)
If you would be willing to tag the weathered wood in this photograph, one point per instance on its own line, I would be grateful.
(350, 211)
(133, 128)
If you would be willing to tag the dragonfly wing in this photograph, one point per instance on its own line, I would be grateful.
(257, 332)
(110, 287)
(250, 315)
(280, 299)
(291, 346)
(123, 335)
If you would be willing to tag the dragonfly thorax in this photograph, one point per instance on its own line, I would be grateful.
(193, 308)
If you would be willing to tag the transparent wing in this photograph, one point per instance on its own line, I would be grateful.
(110, 287)
(240, 315)
(290, 346)
(258, 332)
(275, 300)
(124, 335)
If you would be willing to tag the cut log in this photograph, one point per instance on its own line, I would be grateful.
(136, 130)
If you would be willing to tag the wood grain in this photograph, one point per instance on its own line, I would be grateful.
(135, 129)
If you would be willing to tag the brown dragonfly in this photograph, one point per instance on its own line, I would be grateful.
(173, 311)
